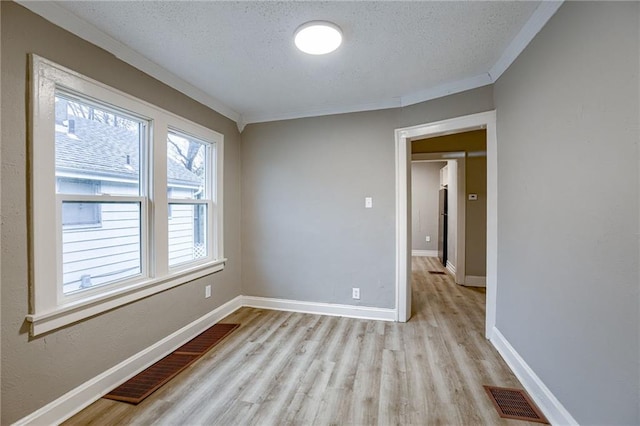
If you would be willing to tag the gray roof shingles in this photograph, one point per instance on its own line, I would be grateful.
(98, 148)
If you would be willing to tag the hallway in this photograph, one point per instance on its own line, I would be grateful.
(288, 368)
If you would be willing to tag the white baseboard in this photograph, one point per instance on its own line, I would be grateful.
(451, 267)
(424, 253)
(350, 311)
(75, 400)
(539, 392)
(475, 281)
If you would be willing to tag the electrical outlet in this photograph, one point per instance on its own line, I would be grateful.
(355, 293)
(207, 291)
(428, 238)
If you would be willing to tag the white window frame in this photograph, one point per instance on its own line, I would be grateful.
(208, 200)
(49, 309)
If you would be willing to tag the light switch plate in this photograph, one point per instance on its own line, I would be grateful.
(473, 197)
(368, 202)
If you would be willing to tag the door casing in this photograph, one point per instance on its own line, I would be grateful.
(403, 137)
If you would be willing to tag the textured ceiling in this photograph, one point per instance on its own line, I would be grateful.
(242, 53)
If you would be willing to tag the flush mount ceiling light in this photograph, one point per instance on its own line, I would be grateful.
(318, 37)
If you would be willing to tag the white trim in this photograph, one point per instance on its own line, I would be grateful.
(331, 309)
(403, 225)
(451, 267)
(72, 23)
(461, 232)
(75, 400)
(90, 391)
(76, 311)
(539, 392)
(403, 136)
(436, 92)
(49, 308)
(475, 281)
(446, 89)
(318, 112)
(538, 20)
(424, 253)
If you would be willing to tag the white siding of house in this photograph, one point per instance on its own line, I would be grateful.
(181, 240)
(110, 251)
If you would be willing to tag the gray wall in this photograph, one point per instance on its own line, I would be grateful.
(567, 115)
(306, 233)
(37, 371)
(425, 184)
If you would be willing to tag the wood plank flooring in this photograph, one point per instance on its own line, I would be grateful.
(283, 368)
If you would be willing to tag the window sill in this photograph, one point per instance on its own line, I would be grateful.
(78, 310)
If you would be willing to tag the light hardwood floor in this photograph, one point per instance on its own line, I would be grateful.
(283, 368)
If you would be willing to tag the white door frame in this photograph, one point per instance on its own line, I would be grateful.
(404, 136)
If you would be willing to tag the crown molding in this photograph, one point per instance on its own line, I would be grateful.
(74, 24)
(447, 89)
(69, 21)
(318, 112)
(415, 98)
(538, 20)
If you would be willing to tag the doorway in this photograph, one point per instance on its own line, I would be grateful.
(403, 137)
(454, 242)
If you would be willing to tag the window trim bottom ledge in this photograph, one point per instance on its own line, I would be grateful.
(64, 315)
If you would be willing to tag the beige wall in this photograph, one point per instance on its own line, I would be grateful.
(36, 371)
(476, 183)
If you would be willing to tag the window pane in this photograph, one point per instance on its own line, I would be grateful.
(186, 167)
(79, 214)
(187, 233)
(97, 144)
(93, 257)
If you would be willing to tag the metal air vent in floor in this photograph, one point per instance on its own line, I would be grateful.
(515, 404)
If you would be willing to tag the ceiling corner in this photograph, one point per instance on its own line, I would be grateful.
(538, 19)
(241, 124)
(446, 89)
(72, 23)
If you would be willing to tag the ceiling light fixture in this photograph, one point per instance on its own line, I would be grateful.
(318, 37)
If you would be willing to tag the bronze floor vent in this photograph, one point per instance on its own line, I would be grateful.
(140, 386)
(515, 404)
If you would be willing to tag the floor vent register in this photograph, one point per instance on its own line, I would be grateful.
(139, 387)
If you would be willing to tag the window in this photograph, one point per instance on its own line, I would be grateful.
(78, 213)
(126, 198)
(189, 163)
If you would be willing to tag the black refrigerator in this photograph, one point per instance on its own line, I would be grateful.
(442, 226)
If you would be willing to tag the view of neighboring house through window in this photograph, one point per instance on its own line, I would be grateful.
(126, 198)
(188, 165)
(98, 184)
(78, 213)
